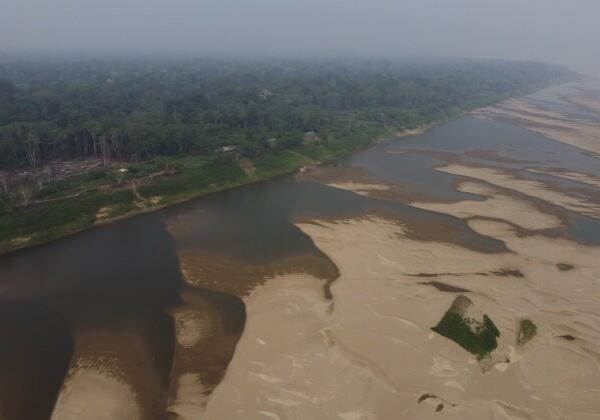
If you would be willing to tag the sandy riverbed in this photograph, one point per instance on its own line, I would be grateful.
(370, 353)
(570, 175)
(578, 132)
(527, 187)
(496, 205)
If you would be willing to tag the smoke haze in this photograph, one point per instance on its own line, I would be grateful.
(557, 31)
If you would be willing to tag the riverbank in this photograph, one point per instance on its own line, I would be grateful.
(105, 197)
(103, 201)
(99, 204)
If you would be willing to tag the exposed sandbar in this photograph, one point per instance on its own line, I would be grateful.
(370, 353)
(496, 206)
(505, 179)
(581, 133)
(580, 177)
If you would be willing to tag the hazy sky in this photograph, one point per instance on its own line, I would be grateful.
(563, 31)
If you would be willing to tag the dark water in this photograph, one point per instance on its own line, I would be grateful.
(35, 350)
(127, 276)
(255, 223)
(122, 279)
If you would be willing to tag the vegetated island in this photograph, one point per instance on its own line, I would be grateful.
(85, 141)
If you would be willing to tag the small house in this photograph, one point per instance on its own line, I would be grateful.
(310, 136)
(264, 94)
(227, 149)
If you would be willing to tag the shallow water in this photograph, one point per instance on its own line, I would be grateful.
(516, 149)
(124, 276)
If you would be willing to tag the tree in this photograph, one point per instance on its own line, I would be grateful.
(5, 182)
(105, 148)
(25, 194)
(32, 147)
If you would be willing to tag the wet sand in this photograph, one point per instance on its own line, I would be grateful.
(119, 370)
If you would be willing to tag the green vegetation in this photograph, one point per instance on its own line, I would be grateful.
(134, 110)
(475, 336)
(527, 330)
(42, 223)
(142, 133)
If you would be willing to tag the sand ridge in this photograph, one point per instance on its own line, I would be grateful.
(580, 177)
(531, 188)
(497, 206)
(574, 131)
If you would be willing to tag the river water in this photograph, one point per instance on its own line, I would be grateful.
(111, 291)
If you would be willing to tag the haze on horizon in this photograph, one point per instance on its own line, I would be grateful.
(555, 31)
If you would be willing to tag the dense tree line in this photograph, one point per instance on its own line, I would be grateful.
(134, 109)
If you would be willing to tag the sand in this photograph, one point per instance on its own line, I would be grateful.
(577, 132)
(103, 213)
(582, 178)
(370, 353)
(93, 394)
(20, 241)
(247, 166)
(190, 400)
(497, 206)
(119, 369)
(505, 179)
(414, 131)
(360, 188)
(590, 103)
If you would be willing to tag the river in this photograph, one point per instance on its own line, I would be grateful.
(115, 299)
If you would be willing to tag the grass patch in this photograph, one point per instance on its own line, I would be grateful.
(195, 181)
(272, 164)
(478, 337)
(53, 220)
(527, 330)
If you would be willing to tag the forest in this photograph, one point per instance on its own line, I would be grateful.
(136, 109)
(84, 140)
